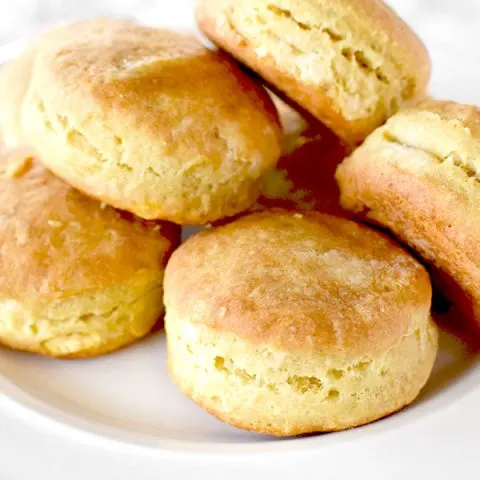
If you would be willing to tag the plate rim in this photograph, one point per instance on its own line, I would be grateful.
(39, 413)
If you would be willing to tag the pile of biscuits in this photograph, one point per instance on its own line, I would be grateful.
(285, 315)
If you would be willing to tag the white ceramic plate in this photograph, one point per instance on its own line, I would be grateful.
(126, 400)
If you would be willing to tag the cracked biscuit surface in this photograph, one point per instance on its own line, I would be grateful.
(149, 121)
(287, 323)
(77, 278)
(351, 63)
(419, 177)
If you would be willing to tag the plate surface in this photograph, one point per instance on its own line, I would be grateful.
(126, 400)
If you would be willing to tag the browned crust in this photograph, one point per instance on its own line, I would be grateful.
(58, 243)
(419, 213)
(275, 290)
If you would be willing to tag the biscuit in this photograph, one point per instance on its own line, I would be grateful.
(289, 323)
(418, 176)
(77, 278)
(351, 63)
(150, 121)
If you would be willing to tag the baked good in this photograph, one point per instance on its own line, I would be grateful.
(150, 121)
(77, 278)
(418, 176)
(288, 323)
(351, 63)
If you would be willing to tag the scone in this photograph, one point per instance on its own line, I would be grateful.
(290, 323)
(150, 121)
(351, 63)
(77, 278)
(418, 176)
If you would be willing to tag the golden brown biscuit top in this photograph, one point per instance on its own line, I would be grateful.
(125, 85)
(55, 242)
(447, 132)
(299, 281)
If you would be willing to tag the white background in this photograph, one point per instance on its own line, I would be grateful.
(449, 450)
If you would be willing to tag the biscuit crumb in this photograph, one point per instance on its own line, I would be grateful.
(21, 234)
(54, 223)
(302, 140)
(156, 228)
(20, 165)
(261, 52)
(103, 205)
(208, 225)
